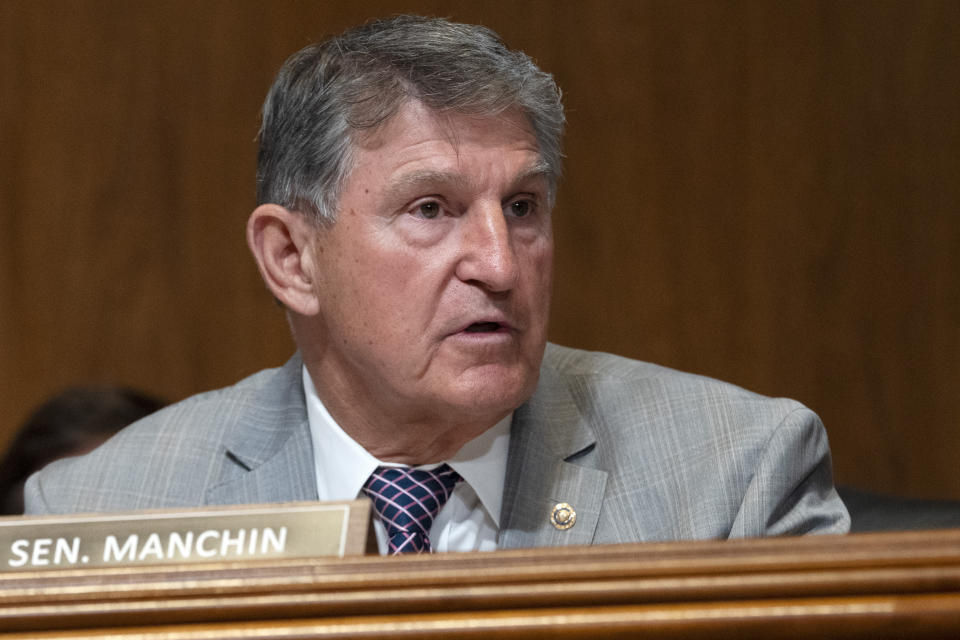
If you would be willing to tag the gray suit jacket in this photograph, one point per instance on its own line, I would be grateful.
(641, 453)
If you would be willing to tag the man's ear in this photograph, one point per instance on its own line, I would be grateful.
(282, 243)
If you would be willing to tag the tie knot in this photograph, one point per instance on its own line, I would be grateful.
(407, 500)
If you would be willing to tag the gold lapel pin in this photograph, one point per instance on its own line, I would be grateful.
(563, 516)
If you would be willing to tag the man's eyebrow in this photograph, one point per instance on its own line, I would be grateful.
(539, 171)
(415, 180)
(424, 178)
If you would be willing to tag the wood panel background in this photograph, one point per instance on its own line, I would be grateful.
(765, 192)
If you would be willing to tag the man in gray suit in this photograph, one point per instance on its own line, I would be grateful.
(406, 176)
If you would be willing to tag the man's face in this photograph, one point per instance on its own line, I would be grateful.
(434, 283)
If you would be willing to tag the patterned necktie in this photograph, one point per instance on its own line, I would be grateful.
(407, 500)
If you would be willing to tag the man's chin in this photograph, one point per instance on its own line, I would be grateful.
(492, 389)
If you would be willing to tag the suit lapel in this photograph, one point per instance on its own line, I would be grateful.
(549, 441)
(269, 454)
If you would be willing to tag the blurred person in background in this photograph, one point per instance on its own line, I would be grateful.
(71, 423)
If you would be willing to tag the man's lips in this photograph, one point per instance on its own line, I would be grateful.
(485, 326)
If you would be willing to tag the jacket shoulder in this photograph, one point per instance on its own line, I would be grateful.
(616, 378)
(166, 459)
(697, 457)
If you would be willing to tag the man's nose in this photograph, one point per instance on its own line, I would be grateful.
(487, 252)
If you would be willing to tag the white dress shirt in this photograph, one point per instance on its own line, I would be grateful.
(469, 521)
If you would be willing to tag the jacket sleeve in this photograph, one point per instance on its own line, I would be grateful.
(791, 491)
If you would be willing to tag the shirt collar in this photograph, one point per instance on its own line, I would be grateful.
(343, 465)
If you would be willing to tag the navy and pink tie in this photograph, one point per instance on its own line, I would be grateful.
(407, 500)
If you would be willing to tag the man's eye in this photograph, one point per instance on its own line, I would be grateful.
(428, 210)
(521, 208)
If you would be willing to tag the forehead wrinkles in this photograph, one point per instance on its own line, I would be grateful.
(450, 122)
(439, 137)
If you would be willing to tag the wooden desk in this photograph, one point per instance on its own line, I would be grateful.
(903, 585)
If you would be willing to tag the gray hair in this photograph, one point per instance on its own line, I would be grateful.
(328, 93)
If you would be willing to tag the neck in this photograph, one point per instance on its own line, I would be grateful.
(398, 434)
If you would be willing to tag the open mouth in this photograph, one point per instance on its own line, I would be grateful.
(483, 327)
